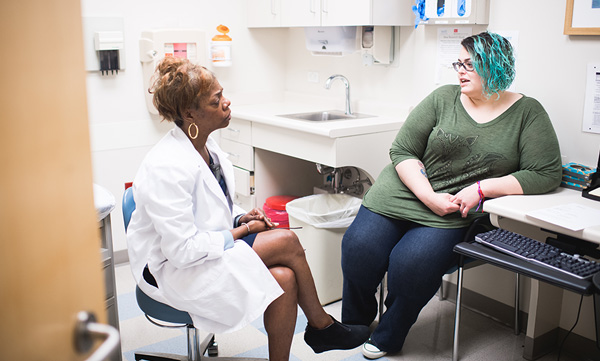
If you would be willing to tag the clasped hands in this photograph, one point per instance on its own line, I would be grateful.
(445, 203)
(257, 221)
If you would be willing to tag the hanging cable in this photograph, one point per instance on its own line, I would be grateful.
(568, 333)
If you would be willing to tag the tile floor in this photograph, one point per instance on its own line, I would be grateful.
(430, 339)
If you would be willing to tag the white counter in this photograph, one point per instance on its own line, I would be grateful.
(268, 114)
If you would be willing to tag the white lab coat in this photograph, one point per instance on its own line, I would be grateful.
(176, 230)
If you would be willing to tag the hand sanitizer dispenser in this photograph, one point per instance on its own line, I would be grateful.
(179, 43)
(377, 44)
(331, 40)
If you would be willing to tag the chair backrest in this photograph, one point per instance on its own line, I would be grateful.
(151, 307)
(128, 206)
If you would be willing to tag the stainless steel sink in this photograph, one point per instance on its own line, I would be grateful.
(325, 116)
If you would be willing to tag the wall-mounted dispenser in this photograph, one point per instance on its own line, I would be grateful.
(377, 44)
(103, 44)
(156, 44)
(457, 11)
(332, 40)
(108, 44)
(220, 48)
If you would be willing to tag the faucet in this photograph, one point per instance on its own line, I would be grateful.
(346, 84)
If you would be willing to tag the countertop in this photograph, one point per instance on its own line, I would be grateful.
(269, 114)
(516, 207)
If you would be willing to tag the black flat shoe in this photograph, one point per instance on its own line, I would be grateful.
(337, 336)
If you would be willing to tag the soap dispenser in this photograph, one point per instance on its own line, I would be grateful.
(220, 48)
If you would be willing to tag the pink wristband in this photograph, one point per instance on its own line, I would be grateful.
(481, 197)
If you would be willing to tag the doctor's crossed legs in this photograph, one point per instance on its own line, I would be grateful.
(283, 254)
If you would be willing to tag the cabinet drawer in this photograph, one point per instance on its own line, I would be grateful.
(239, 130)
(245, 202)
(244, 181)
(241, 155)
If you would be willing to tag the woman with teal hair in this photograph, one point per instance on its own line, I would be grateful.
(461, 145)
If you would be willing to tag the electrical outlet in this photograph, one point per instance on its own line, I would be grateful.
(313, 77)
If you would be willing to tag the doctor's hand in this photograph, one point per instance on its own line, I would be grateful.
(257, 214)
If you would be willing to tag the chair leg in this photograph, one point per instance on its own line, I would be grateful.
(442, 296)
(459, 281)
(193, 347)
(158, 356)
(517, 297)
(381, 289)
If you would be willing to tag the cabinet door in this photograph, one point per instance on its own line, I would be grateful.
(264, 13)
(244, 181)
(346, 12)
(300, 12)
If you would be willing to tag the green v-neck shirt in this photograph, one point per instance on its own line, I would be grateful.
(457, 152)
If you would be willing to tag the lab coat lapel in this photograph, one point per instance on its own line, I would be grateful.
(226, 166)
(206, 174)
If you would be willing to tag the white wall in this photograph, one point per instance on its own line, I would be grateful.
(122, 130)
(266, 62)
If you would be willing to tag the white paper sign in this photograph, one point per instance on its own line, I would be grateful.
(448, 48)
(591, 108)
(572, 216)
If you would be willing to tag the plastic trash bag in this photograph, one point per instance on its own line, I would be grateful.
(325, 210)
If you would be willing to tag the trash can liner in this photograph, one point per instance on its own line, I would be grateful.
(325, 210)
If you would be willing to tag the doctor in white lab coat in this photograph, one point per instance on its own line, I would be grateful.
(192, 248)
(185, 250)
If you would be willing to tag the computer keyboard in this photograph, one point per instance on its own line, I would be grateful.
(541, 253)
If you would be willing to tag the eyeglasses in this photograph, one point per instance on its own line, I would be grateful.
(467, 65)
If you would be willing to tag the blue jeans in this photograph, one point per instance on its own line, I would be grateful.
(415, 258)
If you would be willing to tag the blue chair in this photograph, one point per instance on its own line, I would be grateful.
(155, 310)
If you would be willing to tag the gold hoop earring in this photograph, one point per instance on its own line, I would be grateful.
(190, 133)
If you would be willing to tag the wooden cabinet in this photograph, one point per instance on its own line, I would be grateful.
(308, 13)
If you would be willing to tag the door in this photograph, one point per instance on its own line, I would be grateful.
(49, 240)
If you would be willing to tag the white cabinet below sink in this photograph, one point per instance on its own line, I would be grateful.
(277, 156)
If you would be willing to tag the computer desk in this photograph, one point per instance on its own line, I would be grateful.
(510, 212)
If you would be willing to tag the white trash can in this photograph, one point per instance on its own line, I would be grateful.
(324, 219)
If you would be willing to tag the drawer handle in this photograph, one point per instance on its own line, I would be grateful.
(233, 130)
(233, 155)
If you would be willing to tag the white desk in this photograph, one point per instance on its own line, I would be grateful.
(517, 207)
(545, 300)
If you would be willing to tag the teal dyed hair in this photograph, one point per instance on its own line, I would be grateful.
(493, 60)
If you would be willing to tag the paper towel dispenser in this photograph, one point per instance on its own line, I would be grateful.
(332, 40)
